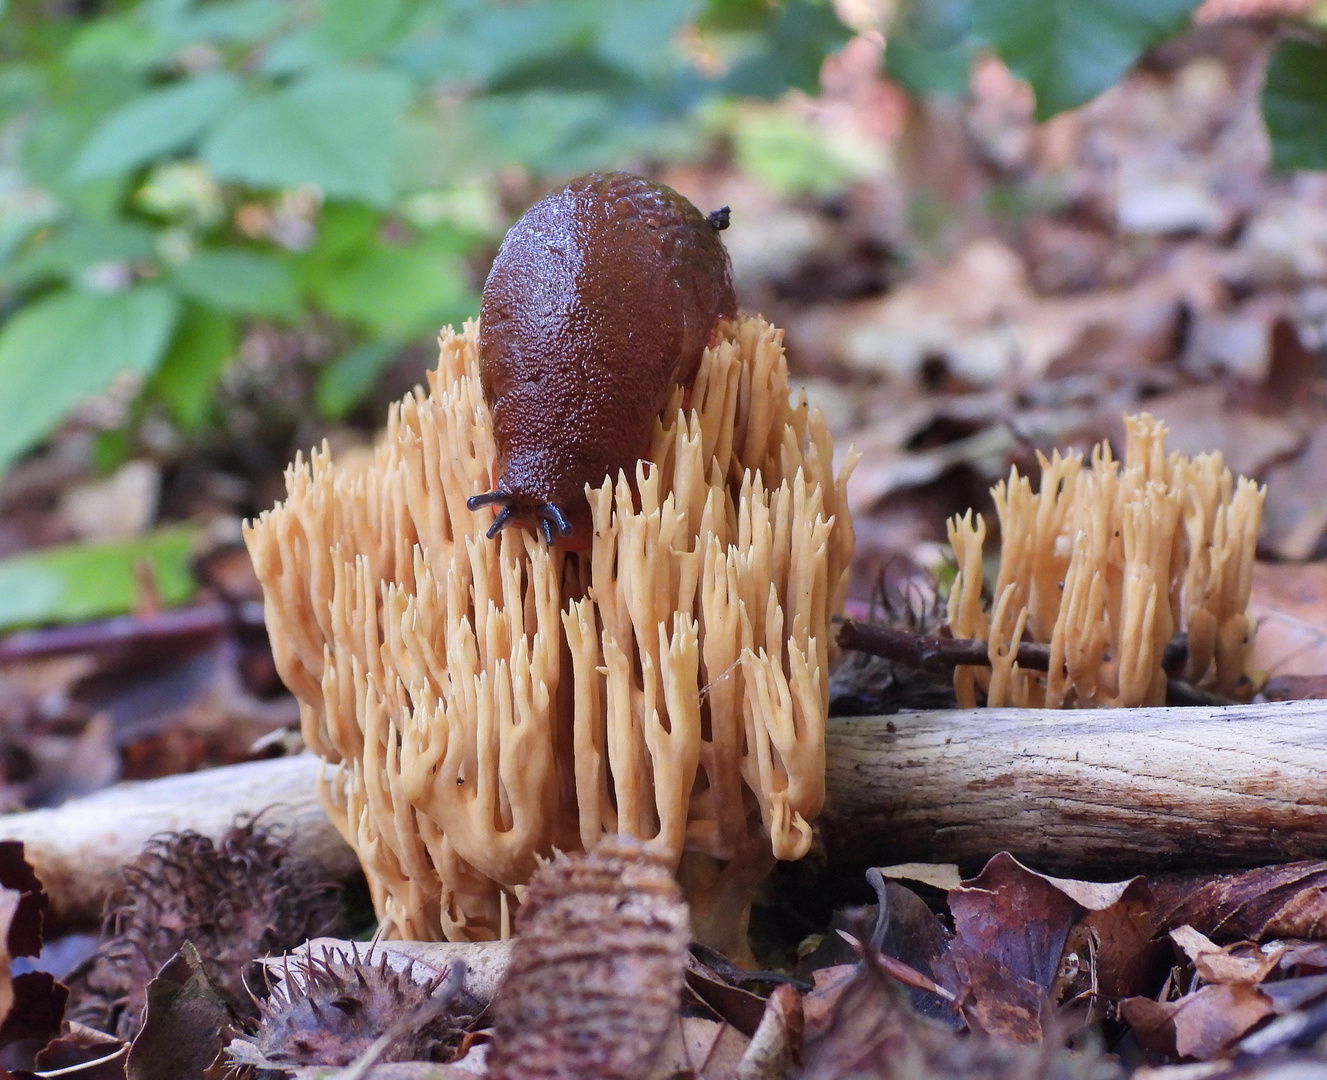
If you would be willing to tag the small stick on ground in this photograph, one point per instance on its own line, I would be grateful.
(942, 655)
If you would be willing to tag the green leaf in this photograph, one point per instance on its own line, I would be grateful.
(356, 28)
(240, 282)
(67, 347)
(238, 22)
(82, 243)
(792, 156)
(932, 24)
(335, 129)
(160, 122)
(794, 46)
(1072, 50)
(550, 131)
(124, 41)
(205, 342)
(75, 582)
(400, 292)
(1294, 104)
(926, 72)
(344, 383)
(641, 36)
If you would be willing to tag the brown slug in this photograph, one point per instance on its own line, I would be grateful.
(601, 300)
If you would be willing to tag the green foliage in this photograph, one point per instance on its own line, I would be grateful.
(189, 166)
(1072, 50)
(239, 282)
(349, 377)
(205, 342)
(69, 346)
(74, 582)
(1294, 101)
(333, 129)
(159, 122)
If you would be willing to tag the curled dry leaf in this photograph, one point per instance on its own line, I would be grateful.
(1198, 1025)
(1285, 901)
(860, 1026)
(596, 969)
(1011, 928)
(1215, 964)
(23, 905)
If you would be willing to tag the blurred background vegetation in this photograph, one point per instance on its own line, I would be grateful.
(314, 187)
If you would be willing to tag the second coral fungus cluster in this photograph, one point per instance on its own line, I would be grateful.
(481, 702)
(1106, 563)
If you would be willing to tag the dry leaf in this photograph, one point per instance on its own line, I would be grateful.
(1283, 901)
(1215, 964)
(1199, 1025)
(1290, 602)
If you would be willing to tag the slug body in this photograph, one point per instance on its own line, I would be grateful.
(601, 300)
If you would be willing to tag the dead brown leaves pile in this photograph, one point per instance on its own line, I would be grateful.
(1007, 975)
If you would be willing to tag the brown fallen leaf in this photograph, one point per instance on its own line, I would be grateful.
(1284, 901)
(1011, 927)
(185, 1024)
(23, 905)
(775, 1050)
(699, 1046)
(1198, 1025)
(865, 1030)
(88, 1053)
(1215, 964)
(1289, 601)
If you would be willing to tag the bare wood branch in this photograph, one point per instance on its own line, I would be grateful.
(1105, 792)
(1090, 792)
(78, 849)
(944, 654)
(115, 638)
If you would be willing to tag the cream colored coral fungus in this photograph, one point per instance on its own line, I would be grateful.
(482, 702)
(1105, 564)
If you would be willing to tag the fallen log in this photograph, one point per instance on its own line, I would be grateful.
(1092, 793)
(79, 848)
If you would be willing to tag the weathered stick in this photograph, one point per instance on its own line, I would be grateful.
(1092, 793)
(78, 849)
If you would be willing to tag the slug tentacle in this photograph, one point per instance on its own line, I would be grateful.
(499, 522)
(551, 521)
(478, 502)
(553, 515)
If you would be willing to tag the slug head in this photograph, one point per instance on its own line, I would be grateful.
(549, 519)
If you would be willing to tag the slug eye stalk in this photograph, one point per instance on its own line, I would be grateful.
(552, 522)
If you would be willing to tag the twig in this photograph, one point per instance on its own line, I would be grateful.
(130, 633)
(942, 655)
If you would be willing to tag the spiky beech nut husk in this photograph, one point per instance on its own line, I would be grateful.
(596, 968)
(239, 899)
(329, 1009)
